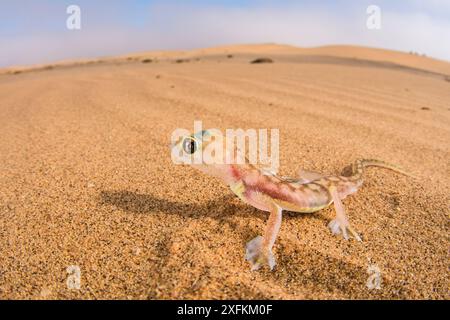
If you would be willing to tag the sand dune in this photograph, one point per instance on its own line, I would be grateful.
(87, 178)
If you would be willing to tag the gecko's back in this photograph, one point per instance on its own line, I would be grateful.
(300, 194)
(289, 193)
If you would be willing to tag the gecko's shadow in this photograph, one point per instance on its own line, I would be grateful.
(220, 208)
(147, 203)
(223, 209)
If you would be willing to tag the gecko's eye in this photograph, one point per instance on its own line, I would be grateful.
(189, 145)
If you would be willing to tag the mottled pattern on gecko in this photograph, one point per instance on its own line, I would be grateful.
(310, 192)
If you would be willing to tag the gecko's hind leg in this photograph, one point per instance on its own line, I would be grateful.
(259, 250)
(340, 224)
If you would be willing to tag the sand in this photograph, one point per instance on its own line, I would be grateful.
(87, 179)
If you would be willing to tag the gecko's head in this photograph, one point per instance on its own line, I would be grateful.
(193, 150)
(187, 148)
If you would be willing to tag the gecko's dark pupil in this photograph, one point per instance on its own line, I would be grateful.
(189, 146)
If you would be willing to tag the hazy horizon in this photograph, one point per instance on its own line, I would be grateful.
(39, 34)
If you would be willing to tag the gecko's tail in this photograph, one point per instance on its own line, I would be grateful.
(359, 165)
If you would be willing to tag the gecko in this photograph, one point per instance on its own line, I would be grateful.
(307, 193)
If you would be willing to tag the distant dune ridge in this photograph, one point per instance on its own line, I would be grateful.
(87, 178)
(337, 51)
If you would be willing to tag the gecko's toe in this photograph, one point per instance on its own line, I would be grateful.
(354, 234)
(257, 256)
(270, 260)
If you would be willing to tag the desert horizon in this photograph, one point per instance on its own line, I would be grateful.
(406, 58)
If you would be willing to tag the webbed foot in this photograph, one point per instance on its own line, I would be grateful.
(337, 227)
(257, 255)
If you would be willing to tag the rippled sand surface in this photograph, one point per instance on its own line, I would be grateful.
(87, 179)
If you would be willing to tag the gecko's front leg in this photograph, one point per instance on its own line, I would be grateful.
(259, 250)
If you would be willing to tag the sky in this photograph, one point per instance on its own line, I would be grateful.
(35, 31)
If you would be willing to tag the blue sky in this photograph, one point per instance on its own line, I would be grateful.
(34, 31)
